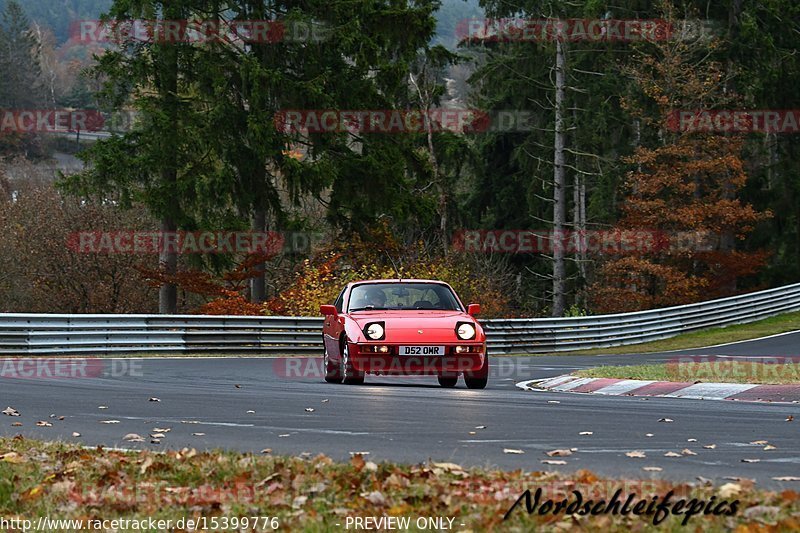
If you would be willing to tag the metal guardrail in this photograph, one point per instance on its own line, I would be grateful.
(50, 334)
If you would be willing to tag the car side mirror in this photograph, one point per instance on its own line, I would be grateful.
(328, 310)
(474, 309)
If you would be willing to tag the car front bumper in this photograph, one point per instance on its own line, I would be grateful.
(394, 364)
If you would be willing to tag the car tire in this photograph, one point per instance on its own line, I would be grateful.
(350, 376)
(478, 379)
(331, 369)
(448, 382)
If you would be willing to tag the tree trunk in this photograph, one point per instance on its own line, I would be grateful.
(168, 257)
(559, 199)
(258, 286)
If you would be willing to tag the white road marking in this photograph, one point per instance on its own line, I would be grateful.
(710, 390)
(623, 387)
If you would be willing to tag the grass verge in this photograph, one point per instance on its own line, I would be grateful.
(716, 371)
(699, 339)
(315, 493)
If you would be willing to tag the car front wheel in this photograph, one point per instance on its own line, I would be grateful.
(350, 376)
(479, 378)
(332, 370)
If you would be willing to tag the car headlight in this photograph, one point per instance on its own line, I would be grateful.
(465, 331)
(375, 331)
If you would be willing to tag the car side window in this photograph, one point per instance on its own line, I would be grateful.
(339, 302)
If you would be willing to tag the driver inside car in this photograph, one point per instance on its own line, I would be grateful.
(375, 298)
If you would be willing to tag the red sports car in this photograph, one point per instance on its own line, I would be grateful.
(416, 326)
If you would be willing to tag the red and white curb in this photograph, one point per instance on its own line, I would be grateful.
(667, 389)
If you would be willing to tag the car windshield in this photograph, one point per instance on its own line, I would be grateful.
(402, 296)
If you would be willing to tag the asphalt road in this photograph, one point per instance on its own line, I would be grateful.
(412, 419)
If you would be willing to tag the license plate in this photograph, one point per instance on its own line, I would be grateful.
(422, 350)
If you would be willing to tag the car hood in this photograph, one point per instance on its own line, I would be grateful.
(400, 322)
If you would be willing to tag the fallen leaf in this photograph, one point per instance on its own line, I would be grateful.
(480, 427)
(751, 460)
(448, 466)
(102, 407)
(238, 386)
(553, 401)
(513, 451)
(266, 450)
(376, 498)
(672, 454)
(284, 435)
(586, 433)
(133, 437)
(369, 466)
(162, 430)
(648, 434)
(10, 411)
(789, 418)
(155, 441)
(710, 446)
(359, 453)
(553, 462)
(559, 453)
(299, 501)
(652, 468)
(109, 421)
(12, 457)
(16, 424)
(157, 436)
(687, 451)
(473, 433)
(738, 479)
(665, 420)
(691, 440)
(325, 400)
(147, 463)
(358, 461)
(61, 417)
(758, 442)
(729, 490)
(309, 409)
(637, 454)
(76, 434)
(44, 424)
(769, 447)
(198, 434)
(154, 399)
(787, 478)
(251, 412)
(762, 510)
(189, 422)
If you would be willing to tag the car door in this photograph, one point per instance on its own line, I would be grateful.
(332, 328)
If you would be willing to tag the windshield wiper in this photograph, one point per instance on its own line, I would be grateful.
(369, 308)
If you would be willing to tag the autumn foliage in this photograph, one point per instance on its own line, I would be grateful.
(684, 183)
(319, 280)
